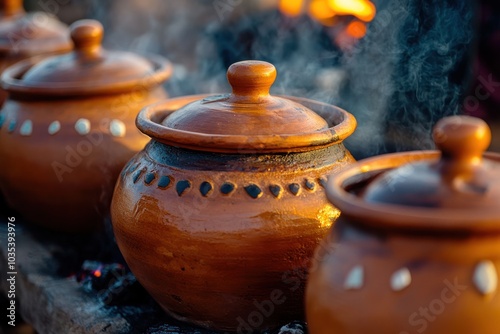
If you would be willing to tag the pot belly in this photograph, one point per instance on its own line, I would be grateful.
(59, 169)
(223, 250)
(403, 284)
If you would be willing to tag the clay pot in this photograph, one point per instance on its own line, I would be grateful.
(24, 35)
(417, 246)
(219, 215)
(68, 129)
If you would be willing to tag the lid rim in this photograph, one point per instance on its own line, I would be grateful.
(10, 82)
(6, 51)
(148, 121)
(385, 216)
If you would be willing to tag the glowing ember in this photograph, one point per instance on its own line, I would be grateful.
(291, 7)
(356, 29)
(97, 273)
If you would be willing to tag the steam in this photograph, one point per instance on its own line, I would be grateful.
(410, 71)
(300, 49)
(202, 40)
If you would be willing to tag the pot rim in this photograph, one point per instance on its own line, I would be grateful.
(399, 217)
(12, 82)
(342, 124)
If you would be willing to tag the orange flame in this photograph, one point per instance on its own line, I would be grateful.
(324, 11)
(362, 9)
(320, 10)
(291, 7)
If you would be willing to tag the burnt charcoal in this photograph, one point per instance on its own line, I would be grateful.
(113, 283)
(124, 291)
(103, 276)
(86, 272)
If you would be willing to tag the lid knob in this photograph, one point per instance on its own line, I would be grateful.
(251, 80)
(461, 178)
(11, 7)
(87, 35)
(462, 139)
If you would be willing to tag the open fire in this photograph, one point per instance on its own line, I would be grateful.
(328, 12)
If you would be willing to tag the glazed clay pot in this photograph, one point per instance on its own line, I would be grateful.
(68, 129)
(219, 215)
(417, 246)
(24, 35)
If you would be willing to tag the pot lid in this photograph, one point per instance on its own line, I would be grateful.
(89, 69)
(249, 120)
(249, 109)
(461, 178)
(28, 34)
(455, 190)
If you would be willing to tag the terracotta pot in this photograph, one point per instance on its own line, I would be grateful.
(24, 35)
(219, 215)
(417, 246)
(68, 129)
